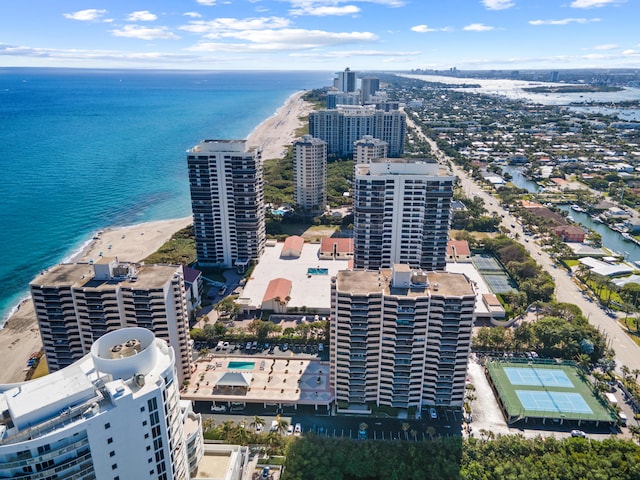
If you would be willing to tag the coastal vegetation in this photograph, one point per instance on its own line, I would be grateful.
(486, 458)
(180, 249)
(559, 330)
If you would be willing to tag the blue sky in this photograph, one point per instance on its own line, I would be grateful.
(321, 34)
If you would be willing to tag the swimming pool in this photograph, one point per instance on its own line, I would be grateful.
(241, 365)
(317, 271)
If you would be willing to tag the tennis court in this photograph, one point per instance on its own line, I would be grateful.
(493, 274)
(537, 377)
(561, 402)
(545, 389)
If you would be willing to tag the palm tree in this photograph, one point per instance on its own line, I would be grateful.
(282, 426)
(405, 429)
(240, 435)
(431, 431)
(257, 421)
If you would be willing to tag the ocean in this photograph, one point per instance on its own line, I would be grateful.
(83, 150)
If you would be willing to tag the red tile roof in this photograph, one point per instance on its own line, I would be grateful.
(278, 287)
(461, 247)
(342, 245)
(294, 243)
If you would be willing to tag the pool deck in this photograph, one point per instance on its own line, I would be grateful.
(311, 291)
(278, 380)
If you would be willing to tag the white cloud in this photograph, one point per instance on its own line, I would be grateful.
(303, 4)
(141, 16)
(323, 11)
(594, 3)
(426, 28)
(282, 40)
(606, 46)
(564, 21)
(478, 27)
(208, 3)
(89, 15)
(145, 33)
(498, 4)
(217, 27)
(355, 53)
(192, 14)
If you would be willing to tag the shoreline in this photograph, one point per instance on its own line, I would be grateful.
(20, 335)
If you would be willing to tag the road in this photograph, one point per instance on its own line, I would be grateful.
(627, 352)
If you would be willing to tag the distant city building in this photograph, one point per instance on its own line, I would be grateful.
(227, 199)
(401, 214)
(310, 173)
(77, 303)
(555, 76)
(345, 81)
(400, 338)
(368, 87)
(342, 127)
(367, 148)
(113, 414)
(335, 98)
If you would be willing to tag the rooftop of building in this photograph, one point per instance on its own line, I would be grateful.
(403, 166)
(438, 283)
(82, 275)
(309, 290)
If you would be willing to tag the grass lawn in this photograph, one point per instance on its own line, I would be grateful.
(42, 369)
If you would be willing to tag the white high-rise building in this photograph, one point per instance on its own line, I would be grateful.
(114, 414)
(400, 337)
(401, 214)
(342, 127)
(227, 199)
(77, 303)
(310, 173)
(368, 88)
(368, 148)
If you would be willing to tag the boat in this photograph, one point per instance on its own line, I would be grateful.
(578, 208)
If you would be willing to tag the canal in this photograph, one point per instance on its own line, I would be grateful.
(610, 239)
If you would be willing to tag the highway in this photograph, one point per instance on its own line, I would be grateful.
(627, 352)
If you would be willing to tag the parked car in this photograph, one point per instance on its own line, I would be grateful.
(432, 413)
(274, 426)
(298, 429)
(218, 408)
(265, 473)
(290, 430)
(578, 433)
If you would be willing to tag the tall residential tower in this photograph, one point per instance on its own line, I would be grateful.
(77, 303)
(400, 337)
(114, 414)
(310, 173)
(227, 199)
(401, 214)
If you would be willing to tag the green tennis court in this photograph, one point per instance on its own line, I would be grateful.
(545, 389)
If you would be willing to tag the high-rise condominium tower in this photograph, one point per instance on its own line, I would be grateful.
(401, 214)
(400, 337)
(345, 81)
(341, 127)
(310, 173)
(114, 414)
(78, 303)
(369, 148)
(368, 87)
(227, 199)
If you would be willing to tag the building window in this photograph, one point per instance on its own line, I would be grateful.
(107, 426)
(114, 466)
(109, 440)
(144, 423)
(112, 453)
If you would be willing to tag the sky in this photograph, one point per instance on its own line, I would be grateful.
(379, 35)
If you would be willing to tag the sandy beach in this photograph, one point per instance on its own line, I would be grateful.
(20, 336)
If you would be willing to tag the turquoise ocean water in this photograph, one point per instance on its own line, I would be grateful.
(83, 150)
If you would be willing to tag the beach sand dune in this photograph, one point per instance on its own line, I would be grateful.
(20, 336)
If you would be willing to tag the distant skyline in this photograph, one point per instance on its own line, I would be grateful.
(321, 34)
